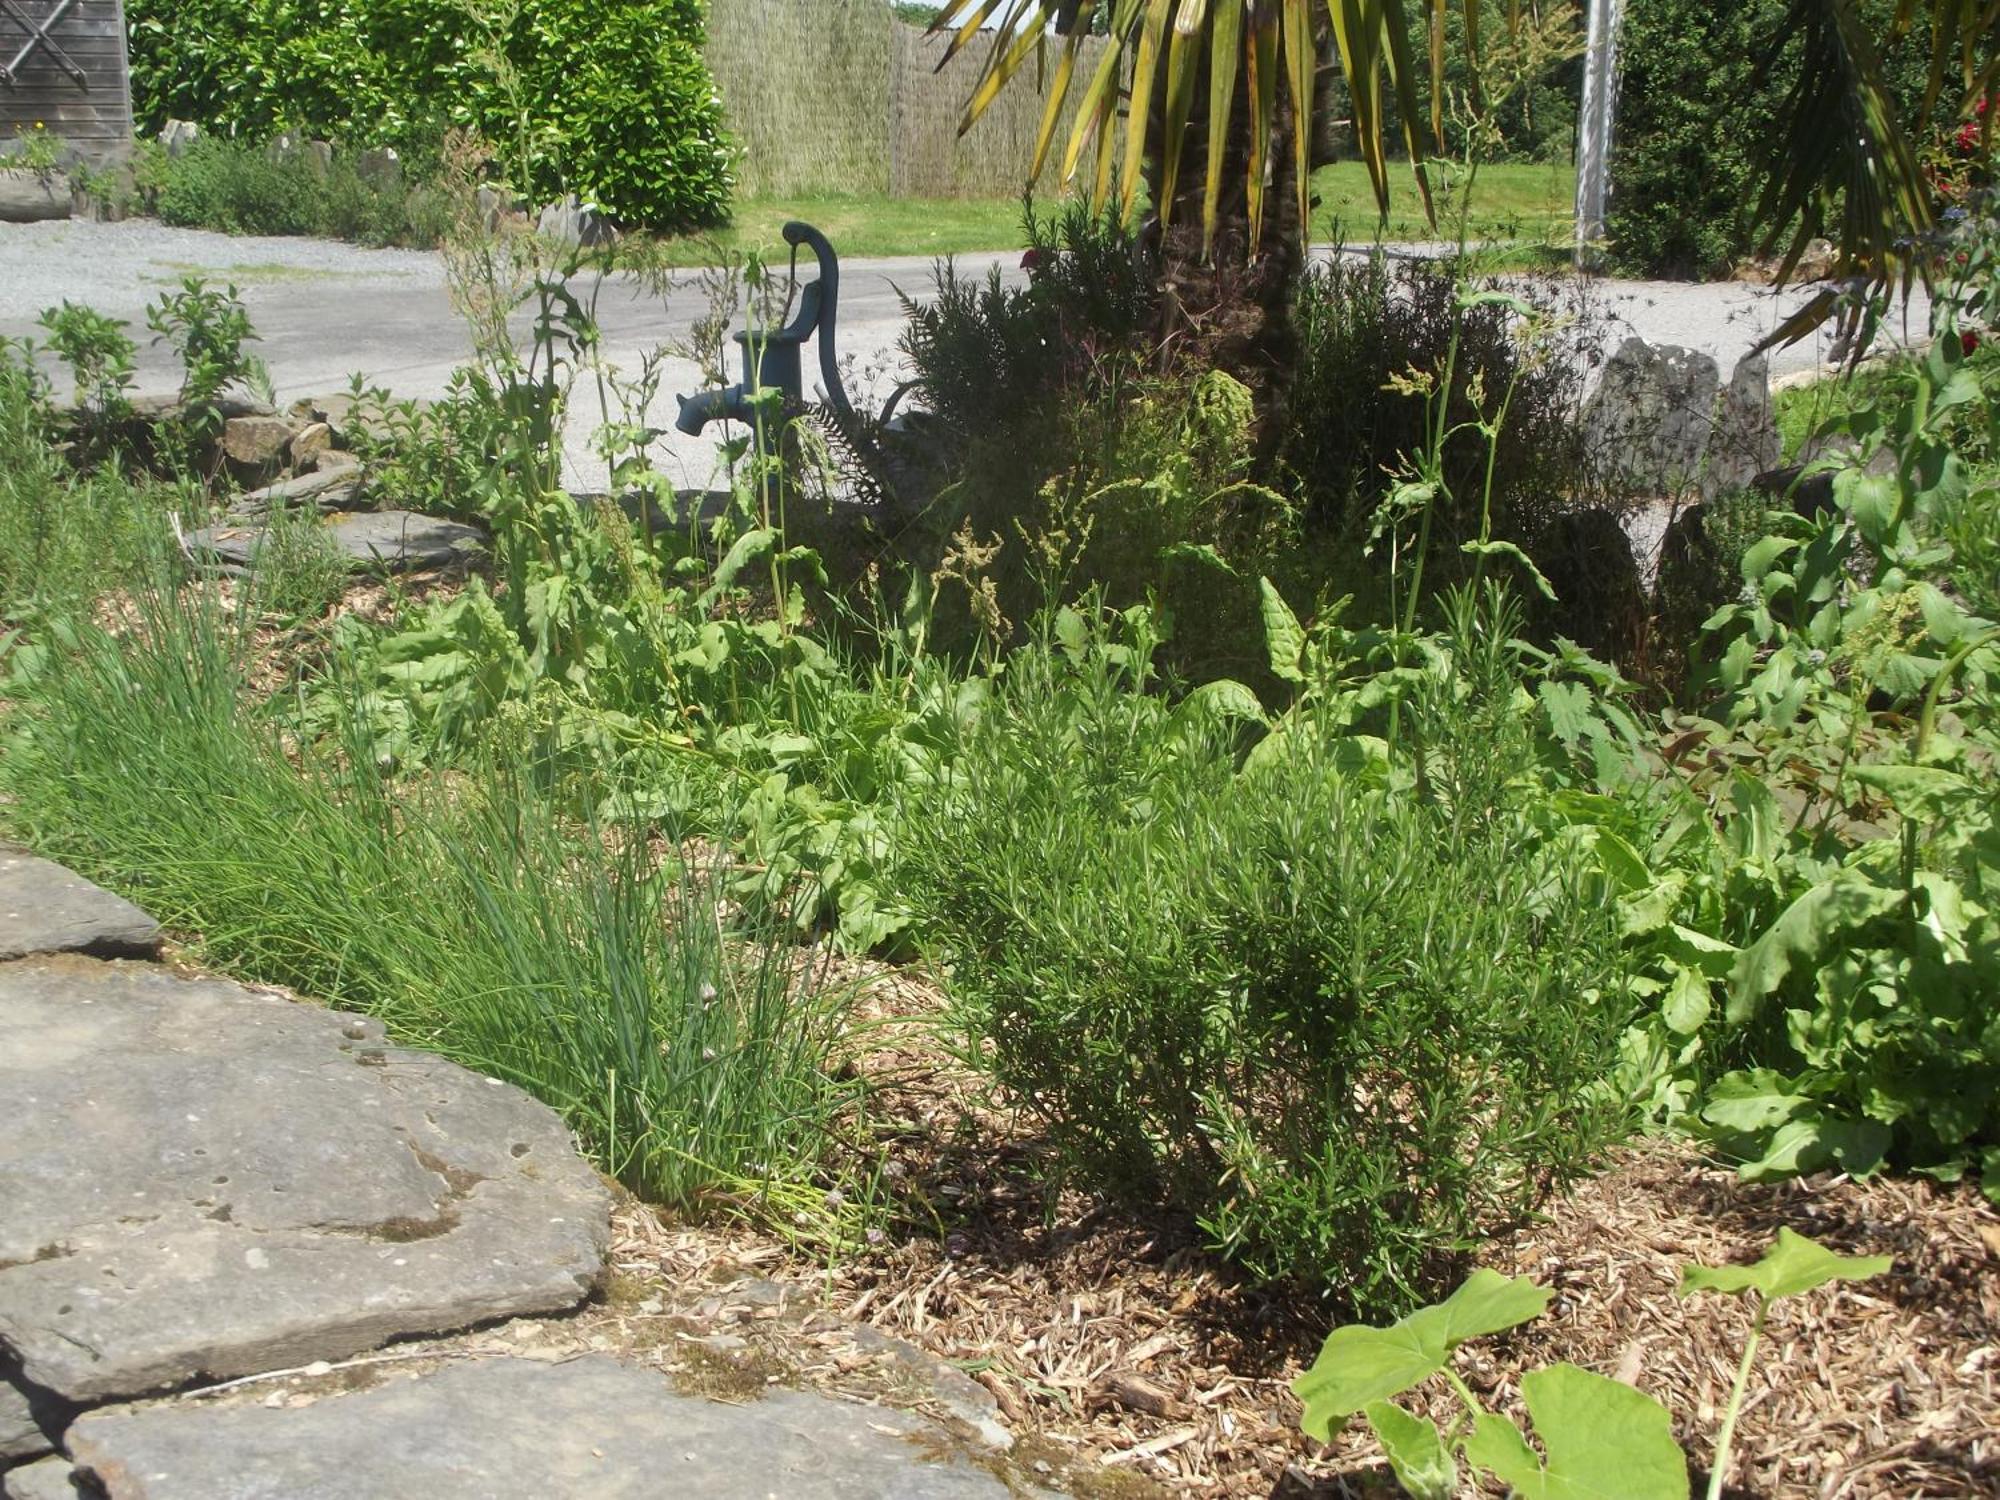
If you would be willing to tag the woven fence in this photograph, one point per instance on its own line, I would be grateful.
(838, 96)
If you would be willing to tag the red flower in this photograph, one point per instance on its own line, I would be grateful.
(1968, 134)
(1030, 260)
(1968, 340)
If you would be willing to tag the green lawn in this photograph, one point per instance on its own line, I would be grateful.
(1528, 202)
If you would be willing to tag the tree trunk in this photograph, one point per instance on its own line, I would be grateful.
(1231, 310)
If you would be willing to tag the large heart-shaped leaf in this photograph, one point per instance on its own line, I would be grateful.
(1605, 1441)
(1358, 1365)
(1794, 1264)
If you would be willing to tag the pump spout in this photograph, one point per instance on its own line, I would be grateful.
(724, 404)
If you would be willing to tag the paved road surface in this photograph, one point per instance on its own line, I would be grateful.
(326, 310)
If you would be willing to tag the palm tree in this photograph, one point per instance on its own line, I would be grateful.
(1236, 86)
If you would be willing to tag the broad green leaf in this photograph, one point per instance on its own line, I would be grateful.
(1422, 1464)
(1917, 791)
(1284, 637)
(745, 550)
(1760, 558)
(1753, 1100)
(1226, 698)
(1568, 706)
(1794, 1264)
(1490, 1302)
(1358, 1365)
(1844, 900)
(1812, 1141)
(1874, 500)
(1650, 907)
(1604, 1440)
(1687, 1005)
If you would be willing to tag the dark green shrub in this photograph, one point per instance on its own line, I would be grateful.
(1363, 322)
(1346, 1027)
(240, 188)
(611, 101)
(1698, 108)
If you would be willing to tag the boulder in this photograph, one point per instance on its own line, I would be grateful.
(21, 1434)
(1743, 435)
(380, 168)
(47, 1480)
(203, 1182)
(254, 447)
(334, 487)
(394, 541)
(309, 441)
(588, 1429)
(570, 222)
(27, 197)
(47, 909)
(1647, 424)
(178, 135)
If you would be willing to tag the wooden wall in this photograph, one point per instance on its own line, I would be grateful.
(96, 120)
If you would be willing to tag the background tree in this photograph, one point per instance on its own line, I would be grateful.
(1238, 87)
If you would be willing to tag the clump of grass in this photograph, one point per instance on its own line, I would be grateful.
(476, 918)
(65, 534)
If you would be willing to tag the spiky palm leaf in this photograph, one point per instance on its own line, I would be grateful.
(1839, 139)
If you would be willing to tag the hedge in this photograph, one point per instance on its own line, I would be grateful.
(615, 99)
(1700, 93)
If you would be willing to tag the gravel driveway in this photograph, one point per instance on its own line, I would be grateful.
(326, 310)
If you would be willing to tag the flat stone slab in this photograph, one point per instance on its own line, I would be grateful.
(197, 1181)
(47, 909)
(591, 1429)
(398, 541)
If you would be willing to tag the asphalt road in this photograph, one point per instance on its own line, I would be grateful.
(326, 311)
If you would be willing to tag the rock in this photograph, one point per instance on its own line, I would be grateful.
(292, 148)
(380, 168)
(28, 197)
(1647, 424)
(403, 541)
(491, 204)
(589, 1429)
(312, 439)
(334, 461)
(950, 1387)
(1743, 434)
(203, 1182)
(254, 447)
(178, 135)
(570, 222)
(47, 1480)
(46, 909)
(21, 1434)
(227, 406)
(1819, 260)
(350, 419)
(1601, 596)
(329, 489)
(398, 541)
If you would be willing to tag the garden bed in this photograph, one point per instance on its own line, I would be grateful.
(1117, 1351)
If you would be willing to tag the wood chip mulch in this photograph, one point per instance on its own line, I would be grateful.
(1128, 1362)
